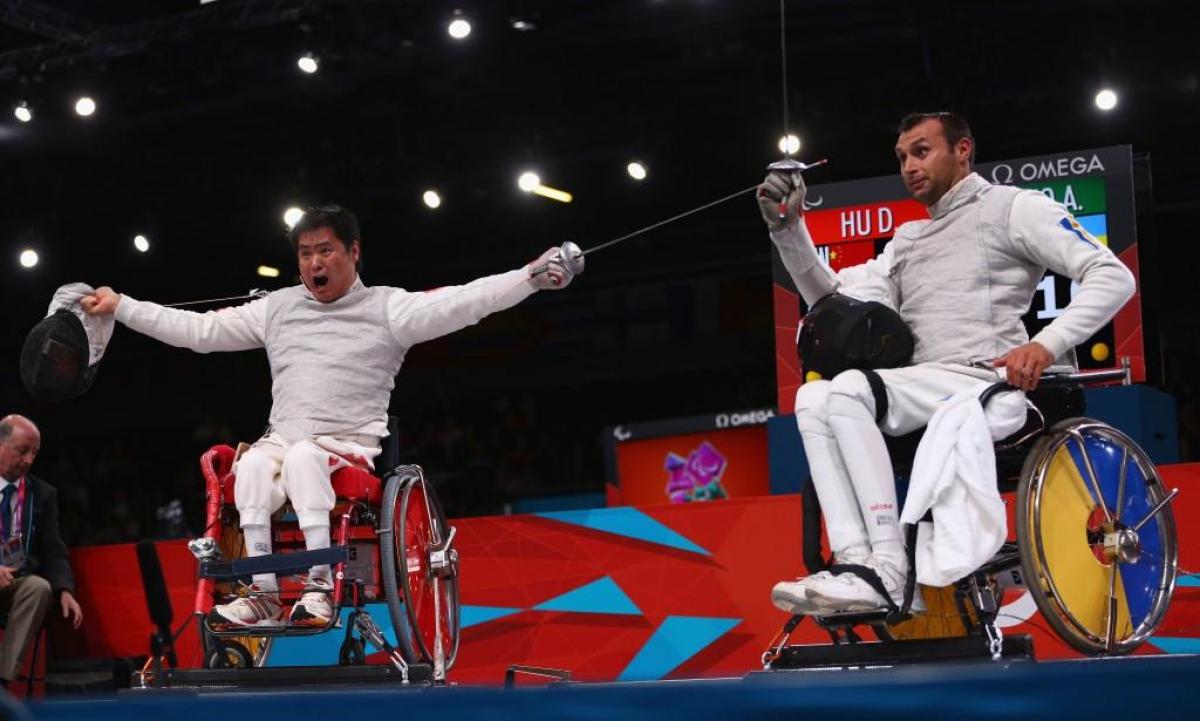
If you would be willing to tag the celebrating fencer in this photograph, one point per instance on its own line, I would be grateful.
(334, 346)
(961, 280)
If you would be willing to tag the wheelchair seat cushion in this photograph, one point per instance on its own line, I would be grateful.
(357, 483)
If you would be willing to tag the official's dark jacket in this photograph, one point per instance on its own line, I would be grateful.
(45, 551)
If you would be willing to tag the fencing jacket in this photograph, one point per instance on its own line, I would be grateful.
(333, 365)
(963, 279)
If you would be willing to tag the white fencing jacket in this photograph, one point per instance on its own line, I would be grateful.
(963, 279)
(333, 365)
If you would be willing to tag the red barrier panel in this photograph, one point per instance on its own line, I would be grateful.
(667, 591)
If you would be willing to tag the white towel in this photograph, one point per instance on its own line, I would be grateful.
(954, 474)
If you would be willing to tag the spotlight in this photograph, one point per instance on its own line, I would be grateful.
(546, 191)
(789, 144)
(292, 215)
(1106, 99)
(307, 63)
(29, 258)
(431, 198)
(141, 242)
(459, 28)
(528, 181)
(636, 170)
(268, 271)
(23, 112)
(85, 106)
(522, 26)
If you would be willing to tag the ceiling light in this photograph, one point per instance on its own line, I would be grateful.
(546, 191)
(29, 258)
(307, 63)
(523, 26)
(22, 111)
(636, 170)
(1106, 99)
(85, 106)
(789, 144)
(141, 242)
(267, 271)
(292, 215)
(459, 28)
(431, 198)
(528, 181)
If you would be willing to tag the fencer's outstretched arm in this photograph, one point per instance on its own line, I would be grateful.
(418, 317)
(229, 329)
(1044, 231)
(812, 275)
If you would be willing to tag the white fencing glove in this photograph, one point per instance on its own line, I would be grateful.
(548, 272)
(781, 199)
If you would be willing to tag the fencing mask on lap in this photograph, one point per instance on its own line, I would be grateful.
(840, 333)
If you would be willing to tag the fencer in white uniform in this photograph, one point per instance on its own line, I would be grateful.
(961, 281)
(334, 346)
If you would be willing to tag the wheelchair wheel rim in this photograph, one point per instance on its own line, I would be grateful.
(1098, 603)
(429, 600)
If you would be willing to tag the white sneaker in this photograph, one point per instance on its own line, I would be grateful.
(258, 609)
(849, 592)
(792, 596)
(315, 607)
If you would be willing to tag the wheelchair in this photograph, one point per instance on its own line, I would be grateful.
(1095, 546)
(390, 542)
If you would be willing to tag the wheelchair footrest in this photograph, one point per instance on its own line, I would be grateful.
(853, 618)
(1018, 647)
(283, 563)
(287, 676)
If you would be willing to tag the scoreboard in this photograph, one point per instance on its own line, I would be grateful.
(852, 221)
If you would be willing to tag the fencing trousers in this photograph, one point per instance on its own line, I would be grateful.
(851, 470)
(274, 470)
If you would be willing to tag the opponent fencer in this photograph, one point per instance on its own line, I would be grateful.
(961, 280)
(334, 346)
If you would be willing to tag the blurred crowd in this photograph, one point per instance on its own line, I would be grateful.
(121, 489)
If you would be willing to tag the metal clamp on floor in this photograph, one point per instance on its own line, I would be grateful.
(371, 631)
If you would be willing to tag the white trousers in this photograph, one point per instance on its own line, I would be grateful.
(274, 470)
(851, 470)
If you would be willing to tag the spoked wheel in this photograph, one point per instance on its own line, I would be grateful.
(229, 654)
(1097, 537)
(941, 619)
(420, 570)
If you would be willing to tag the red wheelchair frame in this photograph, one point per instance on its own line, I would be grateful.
(390, 540)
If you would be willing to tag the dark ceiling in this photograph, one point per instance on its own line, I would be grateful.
(206, 131)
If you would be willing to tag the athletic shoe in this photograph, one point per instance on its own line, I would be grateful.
(257, 609)
(849, 592)
(315, 607)
(792, 596)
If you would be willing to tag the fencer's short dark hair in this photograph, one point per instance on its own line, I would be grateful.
(954, 126)
(341, 221)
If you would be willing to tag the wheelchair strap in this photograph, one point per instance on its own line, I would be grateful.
(874, 581)
(910, 549)
(814, 560)
(879, 390)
